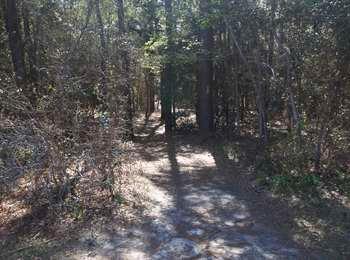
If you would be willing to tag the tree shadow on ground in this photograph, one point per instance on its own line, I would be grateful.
(321, 225)
(210, 190)
(265, 210)
(207, 185)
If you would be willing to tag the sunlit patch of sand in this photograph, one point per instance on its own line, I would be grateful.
(160, 130)
(11, 209)
(195, 161)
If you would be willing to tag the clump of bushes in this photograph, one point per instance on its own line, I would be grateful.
(285, 166)
(288, 166)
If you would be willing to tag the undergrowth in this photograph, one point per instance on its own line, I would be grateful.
(288, 167)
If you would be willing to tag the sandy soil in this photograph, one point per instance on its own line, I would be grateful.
(199, 202)
(197, 208)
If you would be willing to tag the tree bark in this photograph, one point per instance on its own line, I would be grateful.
(126, 88)
(104, 50)
(205, 74)
(260, 102)
(29, 44)
(318, 149)
(13, 28)
(271, 50)
(293, 111)
(168, 75)
(150, 93)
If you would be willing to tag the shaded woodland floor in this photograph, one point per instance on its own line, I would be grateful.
(199, 204)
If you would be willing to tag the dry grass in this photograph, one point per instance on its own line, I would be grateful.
(78, 182)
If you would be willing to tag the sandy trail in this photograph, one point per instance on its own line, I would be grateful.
(197, 208)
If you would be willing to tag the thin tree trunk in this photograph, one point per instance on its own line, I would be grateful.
(319, 143)
(273, 4)
(169, 68)
(271, 49)
(291, 99)
(237, 101)
(150, 99)
(104, 50)
(90, 5)
(162, 95)
(127, 88)
(263, 131)
(260, 102)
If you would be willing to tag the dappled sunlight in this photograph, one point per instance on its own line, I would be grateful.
(11, 209)
(201, 207)
(193, 207)
(193, 161)
(120, 243)
(169, 129)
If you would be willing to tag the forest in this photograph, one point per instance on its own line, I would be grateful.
(174, 129)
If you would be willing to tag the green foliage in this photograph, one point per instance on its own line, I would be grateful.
(76, 209)
(290, 183)
(287, 167)
(119, 199)
(282, 183)
(23, 154)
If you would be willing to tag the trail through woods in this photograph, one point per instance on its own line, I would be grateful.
(270, 82)
(199, 208)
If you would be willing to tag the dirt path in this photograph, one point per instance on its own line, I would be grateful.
(199, 208)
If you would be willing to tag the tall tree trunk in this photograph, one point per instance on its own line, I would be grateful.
(273, 6)
(260, 103)
(168, 75)
(292, 103)
(127, 88)
(150, 93)
(29, 43)
(162, 95)
(205, 74)
(319, 143)
(104, 50)
(271, 50)
(293, 111)
(13, 29)
(237, 99)
(30, 48)
(227, 72)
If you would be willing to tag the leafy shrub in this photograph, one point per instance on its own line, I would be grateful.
(287, 167)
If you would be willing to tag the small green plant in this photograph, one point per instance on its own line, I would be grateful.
(289, 183)
(282, 183)
(310, 180)
(76, 210)
(23, 154)
(119, 199)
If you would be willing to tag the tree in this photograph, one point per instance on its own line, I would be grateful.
(12, 24)
(104, 49)
(168, 72)
(205, 72)
(126, 87)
